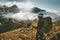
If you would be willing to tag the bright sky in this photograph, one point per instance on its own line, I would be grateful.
(49, 5)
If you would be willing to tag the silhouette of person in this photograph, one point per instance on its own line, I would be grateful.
(39, 34)
(44, 26)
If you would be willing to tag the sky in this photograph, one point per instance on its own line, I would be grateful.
(49, 5)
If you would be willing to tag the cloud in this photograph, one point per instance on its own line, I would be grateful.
(13, 0)
(24, 14)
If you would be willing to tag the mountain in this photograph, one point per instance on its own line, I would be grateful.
(10, 24)
(6, 9)
(54, 16)
(14, 9)
(36, 10)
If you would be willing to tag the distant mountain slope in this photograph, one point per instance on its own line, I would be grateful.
(54, 16)
(13, 9)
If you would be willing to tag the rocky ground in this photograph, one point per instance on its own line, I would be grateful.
(28, 33)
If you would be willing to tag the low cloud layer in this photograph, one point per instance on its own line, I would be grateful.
(24, 13)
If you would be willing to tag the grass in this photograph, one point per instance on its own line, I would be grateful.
(27, 33)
